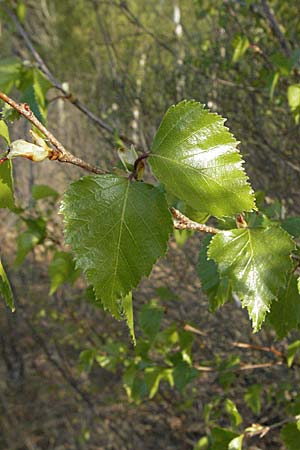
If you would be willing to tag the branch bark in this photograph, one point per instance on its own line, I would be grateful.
(181, 222)
(59, 152)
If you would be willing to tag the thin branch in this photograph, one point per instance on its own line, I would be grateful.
(58, 152)
(272, 349)
(276, 28)
(181, 222)
(56, 83)
(239, 368)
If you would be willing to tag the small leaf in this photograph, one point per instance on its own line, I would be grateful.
(4, 132)
(150, 318)
(117, 229)
(253, 398)
(41, 191)
(285, 312)
(217, 289)
(128, 313)
(292, 350)
(291, 436)
(9, 73)
(256, 262)
(236, 443)
(221, 438)
(5, 289)
(128, 157)
(26, 241)
(294, 96)
(241, 45)
(62, 270)
(183, 374)
(231, 409)
(6, 186)
(195, 157)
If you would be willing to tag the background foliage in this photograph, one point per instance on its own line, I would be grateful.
(65, 363)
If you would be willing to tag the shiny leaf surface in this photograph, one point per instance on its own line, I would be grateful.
(256, 262)
(196, 158)
(117, 230)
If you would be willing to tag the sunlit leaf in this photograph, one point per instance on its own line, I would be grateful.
(196, 158)
(256, 262)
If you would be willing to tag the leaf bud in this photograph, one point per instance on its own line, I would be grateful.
(27, 150)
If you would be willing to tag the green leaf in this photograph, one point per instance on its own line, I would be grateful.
(252, 398)
(256, 262)
(236, 443)
(128, 313)
(62, 270)
(34, 235)
(217, 289)
(231, 409)
(292, 350)
(41, 86)
(9, 73)
(241, 45)
(195, 157)
(183, 374)
(294, 96)
(285, 313)
(5, 289)
(292, 226)
(6, 186)
(40, 191)
(4, 132)
(291, 436)
(150, 318)
(117, 229)
(221, 438)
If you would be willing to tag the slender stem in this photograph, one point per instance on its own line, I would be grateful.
(181, 222)
(59, 152)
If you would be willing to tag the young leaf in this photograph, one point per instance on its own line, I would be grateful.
(6, 186)
(117, 229)
(256, 262)
(4, 132)
(5, 289)
(285, 313)
(232, 411)
(253, 398)
(241, 45)
(292, 351)
(195, 157)
(128, 313)
(61, 270)
(217, 289)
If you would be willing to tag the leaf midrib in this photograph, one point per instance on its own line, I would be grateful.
(118, 248)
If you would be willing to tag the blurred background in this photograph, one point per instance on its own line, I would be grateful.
(69, 375)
